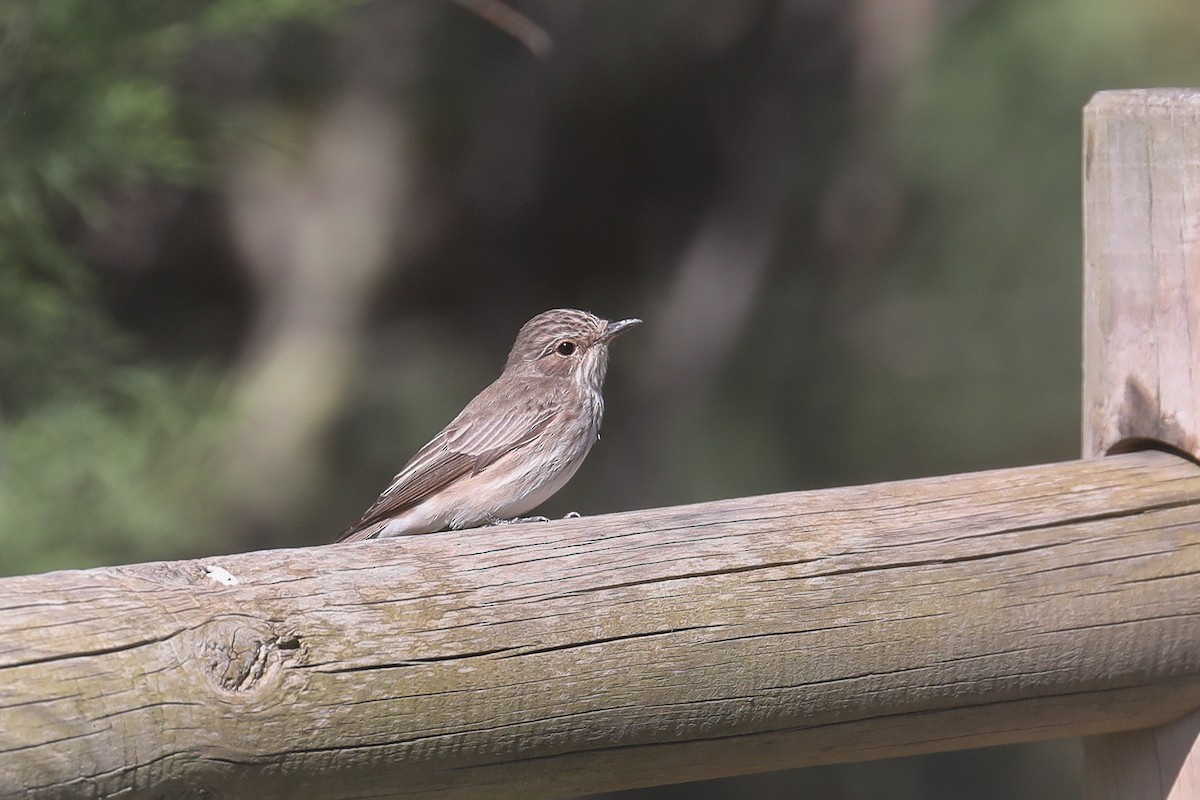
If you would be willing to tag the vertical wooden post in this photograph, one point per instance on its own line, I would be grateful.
(1141, 353)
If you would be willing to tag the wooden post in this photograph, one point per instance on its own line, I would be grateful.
(1141, 344)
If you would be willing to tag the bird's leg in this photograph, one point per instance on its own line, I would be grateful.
(571, 515)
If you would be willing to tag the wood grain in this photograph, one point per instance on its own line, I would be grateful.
(1141, 304)
(675, 644)
(1141, 346)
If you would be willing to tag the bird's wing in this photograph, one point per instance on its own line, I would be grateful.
(467, 446)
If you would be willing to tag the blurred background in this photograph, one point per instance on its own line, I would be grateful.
(253, 255)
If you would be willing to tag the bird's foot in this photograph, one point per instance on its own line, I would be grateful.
(515, 520)
(492, 521)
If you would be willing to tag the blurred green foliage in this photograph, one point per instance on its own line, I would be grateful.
(100, 481)
(106, 454)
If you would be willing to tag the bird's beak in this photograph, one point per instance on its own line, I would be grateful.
(615, 329)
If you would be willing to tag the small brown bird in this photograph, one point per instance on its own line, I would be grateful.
(517, 443)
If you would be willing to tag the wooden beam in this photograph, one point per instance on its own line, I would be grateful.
(542, 660)
(1142, 354)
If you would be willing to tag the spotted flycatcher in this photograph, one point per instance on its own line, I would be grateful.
(518, 442)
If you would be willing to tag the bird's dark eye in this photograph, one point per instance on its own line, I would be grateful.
(565, 348)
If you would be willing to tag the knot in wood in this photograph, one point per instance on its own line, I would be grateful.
(241, 656)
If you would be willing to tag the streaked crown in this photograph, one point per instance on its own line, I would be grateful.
(560, 326)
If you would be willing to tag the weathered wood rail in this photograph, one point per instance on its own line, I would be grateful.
(624, 650)
(684, 643)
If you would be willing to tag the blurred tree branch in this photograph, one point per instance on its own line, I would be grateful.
(514, 23)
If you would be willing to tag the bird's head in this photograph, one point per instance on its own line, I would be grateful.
(566, 342)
